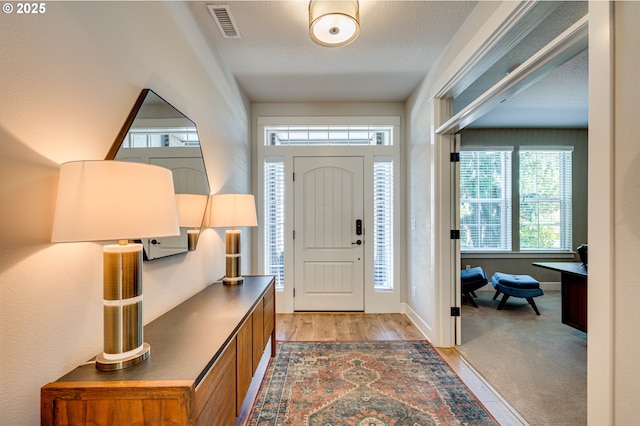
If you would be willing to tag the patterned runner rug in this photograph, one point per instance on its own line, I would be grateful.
(364, 383)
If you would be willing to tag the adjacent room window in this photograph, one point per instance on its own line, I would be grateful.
(485, 199)
(542, 217)
(274, 219)
(383, 223)
(545, 198)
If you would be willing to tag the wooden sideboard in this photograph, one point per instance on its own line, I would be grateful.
(204, 353)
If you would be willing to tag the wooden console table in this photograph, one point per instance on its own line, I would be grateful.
(573, 279)
(204, 353)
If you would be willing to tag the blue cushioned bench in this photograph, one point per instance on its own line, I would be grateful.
(524, 286)
(471, 280)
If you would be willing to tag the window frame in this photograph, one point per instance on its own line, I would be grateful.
(564, 199)
(506, 201)
(516, 204)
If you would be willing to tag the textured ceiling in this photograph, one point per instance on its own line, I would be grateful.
(559, 100)
(276, 61)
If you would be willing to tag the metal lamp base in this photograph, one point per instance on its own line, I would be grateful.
(104, 364)
(232, 257)
(232, 281)
(122, 308)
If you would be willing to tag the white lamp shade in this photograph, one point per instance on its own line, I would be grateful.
(114, 200)
(231, 210)
(334, 23)
(191, 209)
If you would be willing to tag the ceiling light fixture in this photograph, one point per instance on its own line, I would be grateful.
(334, 23)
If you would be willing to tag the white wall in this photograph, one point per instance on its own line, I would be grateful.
(69, 79)
(626, 208)
(427, 181)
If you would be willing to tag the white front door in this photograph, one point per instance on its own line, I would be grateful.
(329, 246)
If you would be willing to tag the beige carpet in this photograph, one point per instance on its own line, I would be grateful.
(538, 364)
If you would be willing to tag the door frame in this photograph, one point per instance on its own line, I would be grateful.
(600, 351)
(375, 301)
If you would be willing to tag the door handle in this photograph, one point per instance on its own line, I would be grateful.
(357, 242)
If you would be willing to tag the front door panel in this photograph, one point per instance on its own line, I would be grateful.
(328, 193)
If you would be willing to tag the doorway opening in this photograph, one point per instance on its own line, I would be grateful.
(520, 227)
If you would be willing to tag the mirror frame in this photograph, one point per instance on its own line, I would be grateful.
(115, 148)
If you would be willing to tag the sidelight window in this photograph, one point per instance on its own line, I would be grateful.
(383, 223)
(274, 219)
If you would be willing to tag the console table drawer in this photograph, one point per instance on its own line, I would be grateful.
(117, 404)
(269, 314)
(216, 394)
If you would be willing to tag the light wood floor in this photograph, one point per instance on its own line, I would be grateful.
(344, 326)
(363, 327)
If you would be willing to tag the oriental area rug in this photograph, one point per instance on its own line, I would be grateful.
(365, 384)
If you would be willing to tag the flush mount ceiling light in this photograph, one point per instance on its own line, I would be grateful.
(334, 23)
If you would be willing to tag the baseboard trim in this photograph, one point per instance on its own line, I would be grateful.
(420, 324)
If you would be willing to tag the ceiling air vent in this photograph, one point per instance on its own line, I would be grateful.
(222, 15)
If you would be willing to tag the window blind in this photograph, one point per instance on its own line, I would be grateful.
(274, 219)
(545, 198)
(383, 222)
(485, 199)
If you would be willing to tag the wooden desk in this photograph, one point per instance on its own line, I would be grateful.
(204, 353)
(573, 278)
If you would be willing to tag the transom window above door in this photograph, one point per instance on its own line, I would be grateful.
(328, 135)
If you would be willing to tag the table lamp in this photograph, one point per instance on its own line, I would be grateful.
(114, 200)
(231, 211)
(190, 215)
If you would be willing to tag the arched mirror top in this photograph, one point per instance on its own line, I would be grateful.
(157, 133)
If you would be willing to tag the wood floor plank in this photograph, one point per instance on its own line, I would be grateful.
(304, 328)
(379, 329)
(324, 327)
(390, 327)
(285, 328)
(343, 332)
(356, 327)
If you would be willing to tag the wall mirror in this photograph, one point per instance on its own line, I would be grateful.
(157, 133)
